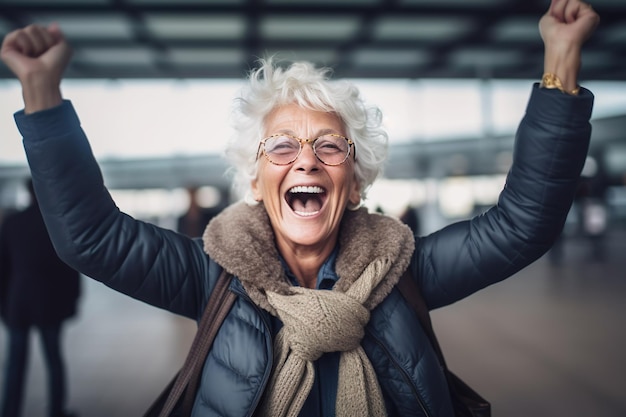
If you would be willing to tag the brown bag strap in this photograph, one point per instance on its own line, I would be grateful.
(217, 308)
(412, 294)
(466, 401)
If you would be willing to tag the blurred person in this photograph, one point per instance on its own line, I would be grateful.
(37, 291)
(193, 222)
(594, 217)
(318, 328)
(410, 217)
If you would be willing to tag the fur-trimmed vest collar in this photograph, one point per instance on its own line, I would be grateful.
(241, 240)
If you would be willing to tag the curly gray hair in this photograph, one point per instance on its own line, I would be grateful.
(271, 86)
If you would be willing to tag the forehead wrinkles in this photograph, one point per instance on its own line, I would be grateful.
(298, 121)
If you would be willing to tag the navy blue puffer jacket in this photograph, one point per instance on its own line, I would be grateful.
(173, 272)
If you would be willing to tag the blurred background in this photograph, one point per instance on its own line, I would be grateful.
(153, 82)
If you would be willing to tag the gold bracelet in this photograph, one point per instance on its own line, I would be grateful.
(550, 81)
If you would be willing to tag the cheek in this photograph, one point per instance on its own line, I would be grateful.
(267, 180)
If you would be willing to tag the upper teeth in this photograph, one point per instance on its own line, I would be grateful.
(304, 189)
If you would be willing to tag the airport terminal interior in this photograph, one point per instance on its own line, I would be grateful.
(548, 342)
(452, 78)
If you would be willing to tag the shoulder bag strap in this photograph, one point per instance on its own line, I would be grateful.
(412, 294)
(466, 401)
(217, 308)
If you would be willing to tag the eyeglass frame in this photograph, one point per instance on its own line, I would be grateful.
(301, 142)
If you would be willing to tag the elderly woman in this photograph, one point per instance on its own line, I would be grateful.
(318, 327)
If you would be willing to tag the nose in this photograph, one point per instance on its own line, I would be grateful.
(307, 159)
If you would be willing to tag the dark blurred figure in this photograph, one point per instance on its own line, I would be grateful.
(37, 291)
(557, 251)
(411, 219)
(195, 220)
(593, 212)
(590, 212)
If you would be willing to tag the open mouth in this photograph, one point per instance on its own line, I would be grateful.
(306, 200)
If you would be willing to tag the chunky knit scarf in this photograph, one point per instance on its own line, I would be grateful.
(374, 250)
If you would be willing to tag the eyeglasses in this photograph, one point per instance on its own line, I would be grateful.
(283, 149)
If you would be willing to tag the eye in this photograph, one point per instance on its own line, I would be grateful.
(331, 144)
(281, 145)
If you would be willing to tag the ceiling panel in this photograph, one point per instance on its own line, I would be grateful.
(454, 3)
(321, 56)
(427, 29)
(57, 3)
(311, 28)
(483, 57)
(206, 56)
(189, 26)
(599, 60)
(616, 34)
(83, 26)
(186, 2)
(516, 30)
(5, 26)
(135, 56)
(613, 4)
(386, 57)
(358, 38)
(327, 3)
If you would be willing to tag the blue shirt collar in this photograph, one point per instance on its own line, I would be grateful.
(326, 277)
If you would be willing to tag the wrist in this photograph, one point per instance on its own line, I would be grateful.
(39, 94)
(564, 64)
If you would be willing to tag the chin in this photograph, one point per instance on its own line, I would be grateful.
(306, 235)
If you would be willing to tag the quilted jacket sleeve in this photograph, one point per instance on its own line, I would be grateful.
(5, 269)
(550, 149)
(90, 233)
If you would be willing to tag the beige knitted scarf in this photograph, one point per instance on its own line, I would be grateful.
(374, 250)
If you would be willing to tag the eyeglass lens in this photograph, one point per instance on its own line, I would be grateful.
(284, 149)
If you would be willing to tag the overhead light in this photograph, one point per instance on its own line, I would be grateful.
(316, 28)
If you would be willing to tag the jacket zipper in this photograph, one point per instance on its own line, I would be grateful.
(405, 376)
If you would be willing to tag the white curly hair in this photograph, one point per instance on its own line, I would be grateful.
(271, 85)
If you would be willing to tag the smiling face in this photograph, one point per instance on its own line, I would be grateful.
(306, 199)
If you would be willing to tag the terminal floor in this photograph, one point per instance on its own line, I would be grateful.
(550, 341)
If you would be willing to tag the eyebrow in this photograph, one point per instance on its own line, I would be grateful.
(319, 133)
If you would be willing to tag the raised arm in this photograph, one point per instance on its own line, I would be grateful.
(550, 148)
(89, 232)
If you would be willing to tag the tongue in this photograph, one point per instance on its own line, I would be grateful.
(305, 204)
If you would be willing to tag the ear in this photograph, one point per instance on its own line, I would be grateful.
(256, 190)
(355, 195)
